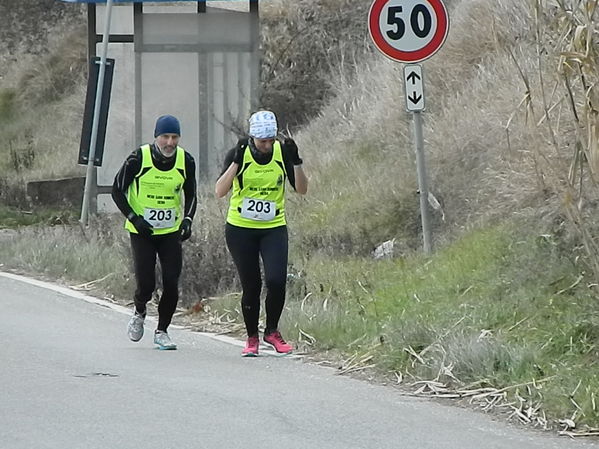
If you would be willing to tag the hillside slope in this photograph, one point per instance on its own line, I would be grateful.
(30, 27)
(491, 151)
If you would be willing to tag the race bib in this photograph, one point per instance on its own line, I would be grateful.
(160, 218)
(259, 210)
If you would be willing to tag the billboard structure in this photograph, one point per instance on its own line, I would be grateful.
(196, 60)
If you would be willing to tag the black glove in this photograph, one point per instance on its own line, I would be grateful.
(293, 152)
(238, 156)
(142, 226)
(185, 229)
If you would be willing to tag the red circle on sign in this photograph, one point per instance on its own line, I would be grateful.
(408, 56)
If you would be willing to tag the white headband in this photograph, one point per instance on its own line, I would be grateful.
(263, 125)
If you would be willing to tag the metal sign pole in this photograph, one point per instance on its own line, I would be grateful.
(94, 133)
(422, 184)
(411, 32)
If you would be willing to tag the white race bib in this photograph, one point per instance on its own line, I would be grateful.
(160, 218)
(259, 210)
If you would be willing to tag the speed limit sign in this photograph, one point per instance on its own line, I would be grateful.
(408, 30)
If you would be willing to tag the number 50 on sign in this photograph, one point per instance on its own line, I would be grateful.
(408, 30)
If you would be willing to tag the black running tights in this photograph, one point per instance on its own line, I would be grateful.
(246, 246)
(168, 249)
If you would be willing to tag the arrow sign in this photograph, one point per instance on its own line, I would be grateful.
(413, 87)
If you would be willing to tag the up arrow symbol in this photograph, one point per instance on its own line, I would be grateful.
(413, 76)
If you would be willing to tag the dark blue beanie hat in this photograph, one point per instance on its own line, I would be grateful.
(167, 124)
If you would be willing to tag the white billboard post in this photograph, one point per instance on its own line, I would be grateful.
(411, 31)
(96, 119)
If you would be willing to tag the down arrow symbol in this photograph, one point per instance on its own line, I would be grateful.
(415, 99)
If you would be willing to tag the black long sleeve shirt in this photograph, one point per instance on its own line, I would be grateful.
(132, 166)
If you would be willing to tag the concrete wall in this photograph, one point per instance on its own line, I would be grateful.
(56, 192)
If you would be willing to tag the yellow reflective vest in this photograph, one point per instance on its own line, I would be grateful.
(157, 195)
(258, 198)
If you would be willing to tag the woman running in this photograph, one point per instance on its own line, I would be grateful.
(256, 170)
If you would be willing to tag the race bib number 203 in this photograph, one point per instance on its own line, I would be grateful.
(160, 218)
(259, 210)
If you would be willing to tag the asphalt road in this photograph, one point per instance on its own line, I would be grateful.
(70, 379)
